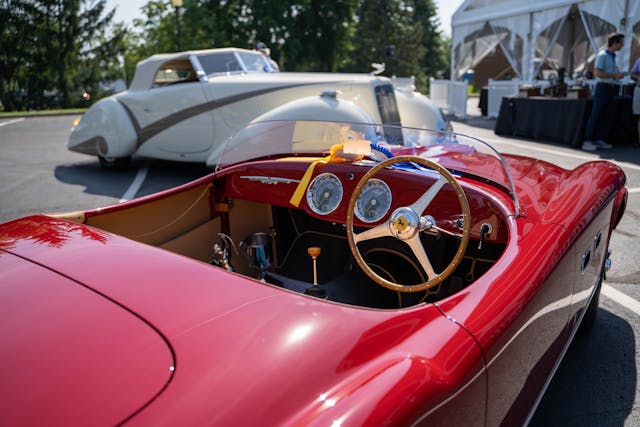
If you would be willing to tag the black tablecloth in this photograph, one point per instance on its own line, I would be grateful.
(564, 120)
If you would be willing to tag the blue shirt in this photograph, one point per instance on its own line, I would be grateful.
(606, 62)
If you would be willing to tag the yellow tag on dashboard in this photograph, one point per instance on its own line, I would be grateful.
(304, 182)
(337, 155)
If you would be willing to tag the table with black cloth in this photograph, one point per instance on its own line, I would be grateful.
(564, 119)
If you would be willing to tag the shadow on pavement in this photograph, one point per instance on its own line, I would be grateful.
(606, 351)
(95, 179)
(162, 175)
(476, 121)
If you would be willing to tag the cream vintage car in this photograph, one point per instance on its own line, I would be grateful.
(183, 106)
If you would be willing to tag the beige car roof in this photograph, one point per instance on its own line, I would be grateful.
(147, 69)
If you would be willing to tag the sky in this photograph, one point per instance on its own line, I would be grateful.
(130, 9)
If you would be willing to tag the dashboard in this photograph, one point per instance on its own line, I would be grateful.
(328, 191)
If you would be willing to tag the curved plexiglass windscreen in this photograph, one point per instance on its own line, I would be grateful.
(367, 143)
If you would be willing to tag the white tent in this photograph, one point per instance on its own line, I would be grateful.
(533, 35)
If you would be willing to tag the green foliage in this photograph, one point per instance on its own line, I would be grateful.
(393, 37)
(18, 18)
(404, 36)
(51, 50)
(304, 35)
(319, 35)
(436, 60)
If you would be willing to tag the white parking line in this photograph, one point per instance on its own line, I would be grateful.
(634, 190)
(11, 121)
(136, 184)
(622, 299)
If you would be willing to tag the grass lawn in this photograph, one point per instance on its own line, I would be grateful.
(42, 112)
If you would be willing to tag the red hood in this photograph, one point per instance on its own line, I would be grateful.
(70, 355)
(245, 351)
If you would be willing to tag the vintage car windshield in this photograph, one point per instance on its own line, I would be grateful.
(227, 62)
(461, 154)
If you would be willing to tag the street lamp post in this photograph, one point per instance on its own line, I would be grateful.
(177, 4)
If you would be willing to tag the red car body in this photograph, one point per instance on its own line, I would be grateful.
(102, 325)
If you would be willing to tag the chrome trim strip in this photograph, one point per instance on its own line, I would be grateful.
(270, 179)
(586, 259)
(596, 241)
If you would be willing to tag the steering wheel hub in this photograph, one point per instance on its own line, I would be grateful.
(404, 223)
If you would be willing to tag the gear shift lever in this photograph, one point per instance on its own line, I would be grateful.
(315, 290)
(314, 252)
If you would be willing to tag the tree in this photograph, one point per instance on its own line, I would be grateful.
(318, 37)
(50, 47)
(303, 35)
(387, 32)
(401, 34)
(81, 38)
(17, 19)
(269, 21)
(155, 32)
(204, 23)
(103, 62)
(436, 60)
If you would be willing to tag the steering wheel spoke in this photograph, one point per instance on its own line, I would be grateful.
(418, 250)
(421, 204)
(381, 230)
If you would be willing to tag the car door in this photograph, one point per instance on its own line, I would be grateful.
(519, 312)
(173, 120)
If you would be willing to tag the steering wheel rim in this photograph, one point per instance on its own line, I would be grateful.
(406, 223)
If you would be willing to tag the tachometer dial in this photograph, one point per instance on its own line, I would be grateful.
(324, 193)
(374, 201)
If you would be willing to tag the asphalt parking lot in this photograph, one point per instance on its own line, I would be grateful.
(596, 385)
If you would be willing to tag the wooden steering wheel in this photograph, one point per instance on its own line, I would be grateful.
(406, 223)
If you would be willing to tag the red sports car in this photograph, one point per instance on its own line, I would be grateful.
(326, 274)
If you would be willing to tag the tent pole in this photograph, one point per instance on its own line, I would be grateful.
(452, 63)
(506, 52)
(528, 53)
(626, 28)
(553, 41)
(588, 31)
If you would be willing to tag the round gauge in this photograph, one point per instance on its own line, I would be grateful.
(374, 201)
(324, 193)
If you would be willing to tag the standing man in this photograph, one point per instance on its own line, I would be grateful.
(607, 75)
(261, 47)
(635, 75)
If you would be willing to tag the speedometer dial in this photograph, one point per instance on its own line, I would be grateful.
(324, 193)
(374, 201)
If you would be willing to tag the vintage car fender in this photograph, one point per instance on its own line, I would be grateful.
(105, 130)
(418, 111)
(324, 107)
